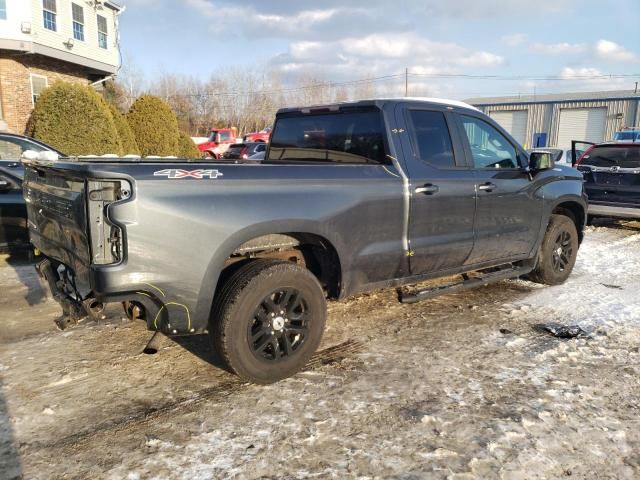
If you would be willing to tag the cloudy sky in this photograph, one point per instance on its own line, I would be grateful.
(452, 48)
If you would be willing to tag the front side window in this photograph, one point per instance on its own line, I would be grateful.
(432, 139)
(78, 22)
(49, 14)
(3, 9)
(38, 84)
(225, 137)
(350, 136)
(102, 32)
(489, 148)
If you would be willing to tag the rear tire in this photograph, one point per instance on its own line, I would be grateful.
(268, 320)
(557, 253)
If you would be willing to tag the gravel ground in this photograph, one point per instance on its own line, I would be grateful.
(462, 386)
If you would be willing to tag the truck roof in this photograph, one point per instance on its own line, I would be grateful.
(379, 102)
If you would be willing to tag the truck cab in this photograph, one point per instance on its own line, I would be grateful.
(218, 142)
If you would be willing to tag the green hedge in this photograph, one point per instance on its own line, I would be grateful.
(186, 147)
(154, 126)
(75, 119)
(128, 141)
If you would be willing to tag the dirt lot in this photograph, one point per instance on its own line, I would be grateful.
(463, 386)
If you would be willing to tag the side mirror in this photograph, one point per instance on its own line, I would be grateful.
(540, 161)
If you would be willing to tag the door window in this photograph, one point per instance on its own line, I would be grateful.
(432, 138)
(489, 148)
(12, 148)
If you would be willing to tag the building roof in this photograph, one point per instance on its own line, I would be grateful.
(556, 97)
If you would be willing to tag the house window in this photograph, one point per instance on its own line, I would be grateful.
(49, 14)
(3, 9)
(102, 32)
(38, 84)
(78, 22)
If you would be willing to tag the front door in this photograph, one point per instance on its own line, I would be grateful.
(442, 191)
(509, 212)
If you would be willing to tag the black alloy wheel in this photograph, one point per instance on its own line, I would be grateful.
(279, 326)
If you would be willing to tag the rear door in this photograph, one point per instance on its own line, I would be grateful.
(442, 190)
(612, 174)
(508, 214)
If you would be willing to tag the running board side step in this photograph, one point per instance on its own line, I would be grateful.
(484, 277)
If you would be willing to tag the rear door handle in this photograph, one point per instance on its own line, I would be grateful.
(487, 187)
(428, 189)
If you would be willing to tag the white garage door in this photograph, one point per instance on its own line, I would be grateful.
(514, 122)
(581, 124)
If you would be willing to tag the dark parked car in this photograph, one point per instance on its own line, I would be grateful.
(242, 151)
(350, 197)
(13, 213)
(612, 179)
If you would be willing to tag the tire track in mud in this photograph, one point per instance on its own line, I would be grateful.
(328, 356)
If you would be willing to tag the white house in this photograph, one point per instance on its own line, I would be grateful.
(42, 41)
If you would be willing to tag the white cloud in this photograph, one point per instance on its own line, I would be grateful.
(612, 52)
(514, 40)
(588, 78)
(563, 48)
(569, 73)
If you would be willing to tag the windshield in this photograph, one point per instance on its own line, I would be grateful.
(355, 136)
(212, 136)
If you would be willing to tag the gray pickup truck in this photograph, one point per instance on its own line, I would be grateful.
(350, 197)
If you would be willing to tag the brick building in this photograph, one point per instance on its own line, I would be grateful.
(42, 41)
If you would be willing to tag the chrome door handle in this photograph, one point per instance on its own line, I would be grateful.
(487, 187)
(428, 189)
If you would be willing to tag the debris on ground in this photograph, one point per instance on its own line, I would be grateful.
(608, 285)
(562, 331)
(505, 331)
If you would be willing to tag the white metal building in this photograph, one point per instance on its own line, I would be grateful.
(556, 119)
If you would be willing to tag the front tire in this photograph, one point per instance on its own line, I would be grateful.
(268, 320)
(557, 253)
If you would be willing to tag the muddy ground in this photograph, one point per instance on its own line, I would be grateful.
(462, 386)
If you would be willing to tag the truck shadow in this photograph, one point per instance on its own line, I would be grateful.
(23, 263)
(10, 465)
(201, 347)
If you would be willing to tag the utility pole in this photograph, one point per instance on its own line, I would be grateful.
(406, 82)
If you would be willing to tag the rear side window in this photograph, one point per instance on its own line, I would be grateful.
(341, 137)
(623, 157)
(432, 138)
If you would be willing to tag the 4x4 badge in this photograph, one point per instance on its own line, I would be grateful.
(615, 168)
(174, 173)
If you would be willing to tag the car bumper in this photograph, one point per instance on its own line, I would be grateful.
(614, 211)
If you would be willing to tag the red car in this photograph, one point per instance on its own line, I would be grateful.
(262, 136)
(218, 142)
